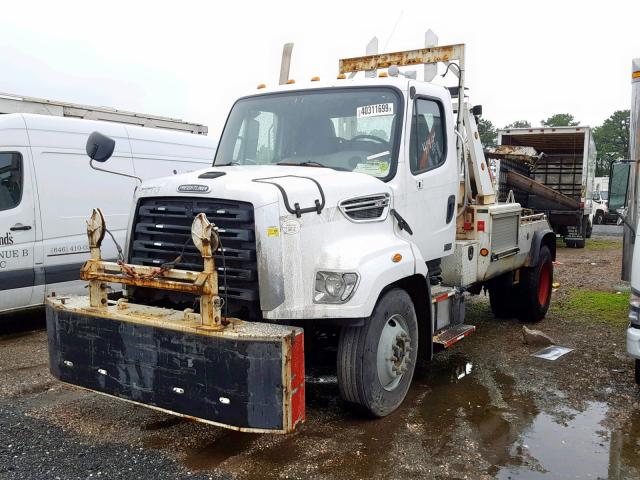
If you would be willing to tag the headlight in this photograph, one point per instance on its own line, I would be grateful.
(334, 287)
(634, 310)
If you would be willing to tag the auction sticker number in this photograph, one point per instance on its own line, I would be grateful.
(376, 110)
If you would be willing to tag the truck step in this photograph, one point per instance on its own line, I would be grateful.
(453, 335)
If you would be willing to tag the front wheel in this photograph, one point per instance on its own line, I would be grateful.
(376, 362)
(535, 288)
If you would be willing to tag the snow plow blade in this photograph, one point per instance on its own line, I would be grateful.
(248, 376)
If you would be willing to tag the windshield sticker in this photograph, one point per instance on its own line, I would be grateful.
(377, 110)
(377, 169)
(378, 155)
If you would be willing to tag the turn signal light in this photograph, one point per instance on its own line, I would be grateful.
(396, 258)
(383, 74)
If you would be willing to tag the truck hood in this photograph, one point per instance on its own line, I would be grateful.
(266, 184)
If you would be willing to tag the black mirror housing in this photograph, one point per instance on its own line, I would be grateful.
(619, 173)
(100, 147)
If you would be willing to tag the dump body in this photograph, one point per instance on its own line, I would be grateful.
(567, 167)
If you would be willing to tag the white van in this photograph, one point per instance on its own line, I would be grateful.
(48, 189)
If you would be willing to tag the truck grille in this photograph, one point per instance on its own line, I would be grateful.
(163, 225)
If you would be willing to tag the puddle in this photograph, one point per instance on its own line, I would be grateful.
(515, 438)
(223, 448)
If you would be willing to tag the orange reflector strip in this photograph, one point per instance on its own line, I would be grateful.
(441, 297)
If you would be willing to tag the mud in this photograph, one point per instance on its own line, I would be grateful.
(483, 409)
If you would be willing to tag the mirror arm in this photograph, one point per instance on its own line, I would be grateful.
(114, 173)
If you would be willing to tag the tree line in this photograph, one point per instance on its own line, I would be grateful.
(611, 138)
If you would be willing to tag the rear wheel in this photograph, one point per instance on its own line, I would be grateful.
(502, 296)
(376, 362)
(598, 218)
(535, 288)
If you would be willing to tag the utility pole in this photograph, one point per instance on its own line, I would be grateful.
(634, 174)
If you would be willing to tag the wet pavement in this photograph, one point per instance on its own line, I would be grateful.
(483, 409)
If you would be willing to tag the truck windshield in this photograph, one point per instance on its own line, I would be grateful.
(350, 129)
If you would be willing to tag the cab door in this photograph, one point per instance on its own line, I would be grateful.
(17, 229)
(431, 178)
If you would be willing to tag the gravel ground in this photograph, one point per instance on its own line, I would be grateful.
(483, 409)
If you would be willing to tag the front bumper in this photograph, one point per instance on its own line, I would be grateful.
(248, 376)
(633, 342)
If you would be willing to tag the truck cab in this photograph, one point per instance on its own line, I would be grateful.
(363, 203)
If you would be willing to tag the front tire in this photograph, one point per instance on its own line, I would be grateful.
(376, 362)
(535, 288)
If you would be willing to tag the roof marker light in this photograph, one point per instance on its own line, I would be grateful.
(290, 81)
(261, 85)
(315, 79)
(341, 76)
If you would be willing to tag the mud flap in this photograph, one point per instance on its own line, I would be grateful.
(248, 377)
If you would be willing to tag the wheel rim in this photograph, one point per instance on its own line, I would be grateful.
(394, 348)
(544, 284)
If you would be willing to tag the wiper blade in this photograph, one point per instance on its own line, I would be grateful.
(229, 164)
(303, 164)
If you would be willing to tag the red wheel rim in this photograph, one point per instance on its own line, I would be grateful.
(544, 284)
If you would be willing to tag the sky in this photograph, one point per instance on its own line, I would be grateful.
(192, 59)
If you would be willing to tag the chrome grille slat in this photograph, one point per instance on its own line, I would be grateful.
(369, 208)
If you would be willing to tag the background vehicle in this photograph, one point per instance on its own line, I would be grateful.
(624, 200)
(352, 202)
(567, 168)
(46, 187)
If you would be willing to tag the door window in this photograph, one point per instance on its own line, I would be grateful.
(10, 180)
(427, 142)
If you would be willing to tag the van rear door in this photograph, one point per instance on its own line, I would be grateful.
(17, 229)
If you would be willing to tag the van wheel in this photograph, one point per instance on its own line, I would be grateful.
(502, 296)
(376, 362)
(589, 229)
(598, 218)
(535, 288)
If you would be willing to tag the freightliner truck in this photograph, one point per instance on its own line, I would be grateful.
(363, 203)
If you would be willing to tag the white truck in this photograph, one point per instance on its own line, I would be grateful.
(363, 203)
(46, 186)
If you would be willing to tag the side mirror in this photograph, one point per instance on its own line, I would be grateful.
(619, 172)
(100, 147)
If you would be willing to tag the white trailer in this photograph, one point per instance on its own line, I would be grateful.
(365, 203)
